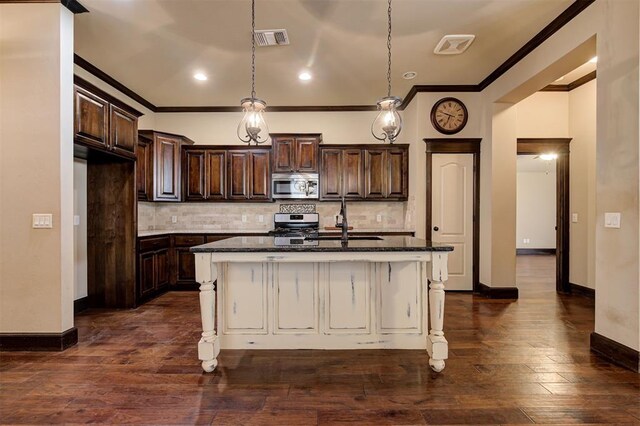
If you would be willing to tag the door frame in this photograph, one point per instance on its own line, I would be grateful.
(457, 146)
(560, 146)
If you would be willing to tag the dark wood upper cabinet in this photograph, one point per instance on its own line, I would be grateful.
(238, 164)
(103, 122)
(375, 165)
(364, 172)
(91, 119)
(165, 170)
(397, 173)
(124, 131)
(216, 174)
(260, 175)
(144, 166)
(295, 153)
(331, 174)
(194, 175)
(352, 173)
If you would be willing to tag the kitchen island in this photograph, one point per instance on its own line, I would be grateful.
(367, 293)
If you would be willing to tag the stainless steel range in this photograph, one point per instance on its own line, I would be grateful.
(296, 229)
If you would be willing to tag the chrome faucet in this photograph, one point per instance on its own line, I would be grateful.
(345, 225)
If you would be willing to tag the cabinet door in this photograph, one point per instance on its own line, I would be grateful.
(347, 299)
(260, 174)
(238, 173)
(91, 119)
(146, 274)
(167, 169)
(144, 170)
(123, 131)
(283, 155)
(331, 174)
(162, 268)
(398, 174)
(375, 174)
(185, 266)
(216, 175)
(194, 179)
(352, 171)
(306, 155)
(244, 298)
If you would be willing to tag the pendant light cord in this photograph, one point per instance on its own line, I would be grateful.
(253, 49)
(389, 50)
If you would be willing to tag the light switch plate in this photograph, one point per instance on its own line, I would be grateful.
(174, 219)
(574, 217)
(42, 220)
(76, 220)
(612, 220)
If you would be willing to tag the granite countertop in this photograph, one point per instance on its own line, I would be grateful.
(266, 244)
(155, 232)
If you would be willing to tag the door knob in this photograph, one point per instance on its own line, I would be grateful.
(435, 228)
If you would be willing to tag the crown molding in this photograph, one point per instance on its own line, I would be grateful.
(73, 5)
(573, 85)
(565, 17)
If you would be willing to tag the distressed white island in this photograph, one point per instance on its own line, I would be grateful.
(365, 294)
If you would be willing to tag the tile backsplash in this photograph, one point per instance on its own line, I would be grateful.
(229, 216)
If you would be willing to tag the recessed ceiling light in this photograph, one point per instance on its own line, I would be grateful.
(593, 60)
(409, 75)
(200, 76)
(304, 76)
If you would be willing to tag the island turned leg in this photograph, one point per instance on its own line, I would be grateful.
(437, 346)
(208, 347)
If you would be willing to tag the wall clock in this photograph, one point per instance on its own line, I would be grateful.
(449, 116)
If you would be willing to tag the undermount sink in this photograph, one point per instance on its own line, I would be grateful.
(354, 238)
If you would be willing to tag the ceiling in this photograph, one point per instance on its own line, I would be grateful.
(154, 47)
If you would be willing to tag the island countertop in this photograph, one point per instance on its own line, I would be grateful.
(357, 244)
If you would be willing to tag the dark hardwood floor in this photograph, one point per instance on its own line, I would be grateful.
(521, 362)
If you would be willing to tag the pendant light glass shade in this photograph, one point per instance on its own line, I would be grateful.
(388, 123)
(253, 128)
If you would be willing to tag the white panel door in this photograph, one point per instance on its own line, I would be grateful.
(244, 301)
(296, 298)
(452, 214)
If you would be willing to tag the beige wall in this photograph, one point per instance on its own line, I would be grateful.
(582, 128)
(36, 167)
(536, 209)
(544, 115)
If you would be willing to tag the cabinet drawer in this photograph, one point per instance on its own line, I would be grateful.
(188, 240)
(151, 244)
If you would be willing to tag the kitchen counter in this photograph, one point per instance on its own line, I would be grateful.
(267, 245)
(367, 294)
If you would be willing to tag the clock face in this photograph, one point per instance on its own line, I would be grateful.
(449, 116)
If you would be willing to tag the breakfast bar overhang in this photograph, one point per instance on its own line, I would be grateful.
(359, 294)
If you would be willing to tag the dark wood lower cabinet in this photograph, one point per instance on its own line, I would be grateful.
(184, 262)
(153, 267)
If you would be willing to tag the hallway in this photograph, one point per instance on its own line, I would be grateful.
(521, 362)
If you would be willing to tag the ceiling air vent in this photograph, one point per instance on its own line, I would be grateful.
(271, 37)
(454, 44)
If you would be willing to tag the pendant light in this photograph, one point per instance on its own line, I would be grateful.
(253, 128)
(388, 123)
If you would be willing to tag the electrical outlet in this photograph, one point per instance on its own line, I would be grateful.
(574, 217)
(76, 220)
(42, 220)
(379, 218)
(260, 218)
(526, 240)
(244, 218)
(174, 219)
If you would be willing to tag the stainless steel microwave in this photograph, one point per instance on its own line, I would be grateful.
(299, 185)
